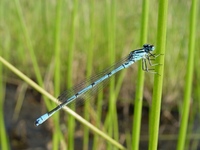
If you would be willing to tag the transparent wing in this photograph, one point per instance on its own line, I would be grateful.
(64, 96)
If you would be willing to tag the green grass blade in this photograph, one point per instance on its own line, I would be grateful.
(111, 119)
(20, 99)
(4, 142)
(71, 123)
(57, 48)
(158, 80)
(57, 137)
(196, 92)
(189, 76)
(97, 140)
(140, 81)
(29, 43)
(89, 64)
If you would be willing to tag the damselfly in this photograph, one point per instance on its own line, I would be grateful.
(143, 53)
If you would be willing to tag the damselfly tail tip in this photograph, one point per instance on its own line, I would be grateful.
(37, 123)
(42, 119)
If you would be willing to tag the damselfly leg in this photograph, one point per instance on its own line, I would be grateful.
(150, 57)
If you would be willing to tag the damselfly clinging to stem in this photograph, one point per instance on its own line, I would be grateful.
(143, 53)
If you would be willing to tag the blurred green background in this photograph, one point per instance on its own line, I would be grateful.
(60, 43)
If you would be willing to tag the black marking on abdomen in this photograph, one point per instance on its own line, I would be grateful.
(124, 65)
(93, 84)
(109, 74)
(77, 94)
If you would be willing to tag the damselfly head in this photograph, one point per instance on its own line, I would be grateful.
(148, 48)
